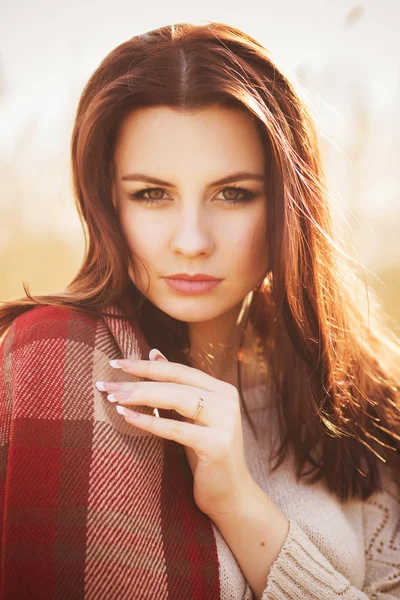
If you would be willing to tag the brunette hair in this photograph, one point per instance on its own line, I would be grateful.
(335, 367)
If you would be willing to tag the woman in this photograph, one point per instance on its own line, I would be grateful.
(252, 449)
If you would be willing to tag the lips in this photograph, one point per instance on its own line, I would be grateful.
(197, 277)
(192, 286)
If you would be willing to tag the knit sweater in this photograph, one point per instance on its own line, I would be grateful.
(92, 507)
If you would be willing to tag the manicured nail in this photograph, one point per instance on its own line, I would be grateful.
(122, 410)
(156, 355)
(119, 363)
(111, 386)
(119, 396)
(114, 364)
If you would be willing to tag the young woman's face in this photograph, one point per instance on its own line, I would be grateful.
(186, 222)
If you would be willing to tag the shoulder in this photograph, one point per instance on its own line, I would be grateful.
(381, 515)
(385, 500)
(47, 327)
(389, 482)
(45, 334)
(44, 352)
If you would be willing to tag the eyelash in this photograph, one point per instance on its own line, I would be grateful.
(138, 195)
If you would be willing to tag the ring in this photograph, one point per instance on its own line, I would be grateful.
(200, 406)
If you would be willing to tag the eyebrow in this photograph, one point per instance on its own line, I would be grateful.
(240, 176)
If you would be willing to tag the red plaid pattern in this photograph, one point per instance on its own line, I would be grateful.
(90, 507)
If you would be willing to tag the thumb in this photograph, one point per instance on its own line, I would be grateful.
(156, 355)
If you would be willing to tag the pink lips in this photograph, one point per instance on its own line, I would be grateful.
(196, 277)
(197, 284)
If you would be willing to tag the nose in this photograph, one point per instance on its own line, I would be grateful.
(192, 234)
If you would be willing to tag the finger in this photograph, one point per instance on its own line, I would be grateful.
(193, 436)
(163, 370)
(183, 399)
(155, 354)
(130, 386)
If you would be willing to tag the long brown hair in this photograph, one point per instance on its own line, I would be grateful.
(335, 366)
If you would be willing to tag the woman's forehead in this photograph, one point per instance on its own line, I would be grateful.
(215, 139)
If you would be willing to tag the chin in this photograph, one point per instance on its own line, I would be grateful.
(196, 309)
(197, 312)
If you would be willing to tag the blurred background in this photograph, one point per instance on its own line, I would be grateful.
(343, 56)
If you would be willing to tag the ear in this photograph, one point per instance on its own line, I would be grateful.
(156, 355)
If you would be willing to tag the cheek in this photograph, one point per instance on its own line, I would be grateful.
(139, 235)
(249, 245)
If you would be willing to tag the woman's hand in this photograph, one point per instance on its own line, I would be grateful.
(213, 444)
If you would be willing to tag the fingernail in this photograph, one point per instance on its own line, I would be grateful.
(119, 396)
(156, 355)
(108, 386)
(122, 410)
(111, 386)
(114, 364)
(119, 363)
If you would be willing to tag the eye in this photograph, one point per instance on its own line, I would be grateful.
(232, 195)
(155, 195)
(237, 195)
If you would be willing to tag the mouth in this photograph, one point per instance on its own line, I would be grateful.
(196, 277)
(192, 286)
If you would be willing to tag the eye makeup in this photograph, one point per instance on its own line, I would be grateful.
(246, 195)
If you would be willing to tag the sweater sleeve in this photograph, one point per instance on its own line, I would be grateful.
(302, 571)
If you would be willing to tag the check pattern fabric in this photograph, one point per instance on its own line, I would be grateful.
(91, 507)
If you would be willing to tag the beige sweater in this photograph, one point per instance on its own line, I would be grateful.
(333, 550)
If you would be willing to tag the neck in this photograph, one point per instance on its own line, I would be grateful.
(215, 344)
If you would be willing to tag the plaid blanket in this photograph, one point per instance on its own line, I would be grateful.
(91, 507)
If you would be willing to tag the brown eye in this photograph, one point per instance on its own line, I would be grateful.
(231, 193)
(155, 193)
(237, 195)
(149, 196)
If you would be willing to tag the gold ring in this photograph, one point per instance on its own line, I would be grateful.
(200, 406)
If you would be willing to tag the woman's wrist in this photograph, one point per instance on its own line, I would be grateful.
(255, 530)
(251, 502)
(237, 501)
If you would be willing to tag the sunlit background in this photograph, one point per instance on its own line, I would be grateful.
(343, 56)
